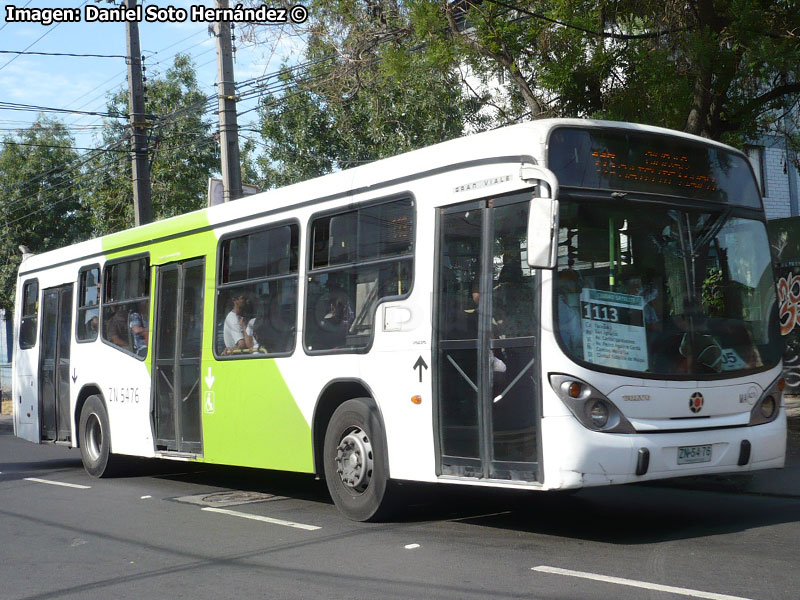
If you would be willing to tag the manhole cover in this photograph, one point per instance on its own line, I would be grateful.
(230, 498)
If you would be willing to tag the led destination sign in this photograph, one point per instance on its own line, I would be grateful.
(653, 167)
(635, 161)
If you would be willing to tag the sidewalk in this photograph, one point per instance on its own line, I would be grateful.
(773, 482)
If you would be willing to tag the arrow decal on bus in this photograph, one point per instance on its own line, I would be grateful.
(420, 364)
(209, 379)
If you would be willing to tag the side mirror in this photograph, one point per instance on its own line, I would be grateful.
(542, 218)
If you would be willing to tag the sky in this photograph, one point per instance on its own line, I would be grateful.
(80, 83)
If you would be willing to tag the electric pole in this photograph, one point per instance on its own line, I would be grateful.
(228, 127)
(142, 205)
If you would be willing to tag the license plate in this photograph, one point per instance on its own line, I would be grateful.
(694, 454)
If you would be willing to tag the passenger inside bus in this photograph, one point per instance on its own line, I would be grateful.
(233, 328)
(257, 330)
(117, 329)
(336, 322)
(137, 322)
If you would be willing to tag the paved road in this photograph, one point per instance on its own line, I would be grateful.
(150, 536)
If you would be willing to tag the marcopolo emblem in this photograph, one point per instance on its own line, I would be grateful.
(696, 402)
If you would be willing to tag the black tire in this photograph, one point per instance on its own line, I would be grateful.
(95, 439)
(356, 469)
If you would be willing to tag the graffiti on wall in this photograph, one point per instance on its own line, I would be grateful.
(789, 313)
(789, 302)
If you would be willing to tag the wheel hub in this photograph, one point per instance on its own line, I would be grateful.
(354, 459)
(94, 437)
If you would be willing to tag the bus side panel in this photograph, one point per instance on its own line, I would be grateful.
(124, 382)
(395, 373)
(251, 417)
(391, 375)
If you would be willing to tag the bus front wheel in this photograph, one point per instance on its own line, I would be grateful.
(95, 441)
(356, 468)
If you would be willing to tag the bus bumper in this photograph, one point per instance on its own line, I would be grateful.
(594, 458)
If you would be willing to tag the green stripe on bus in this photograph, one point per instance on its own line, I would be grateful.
(252, 419)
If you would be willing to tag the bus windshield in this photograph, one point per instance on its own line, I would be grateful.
(666, 291)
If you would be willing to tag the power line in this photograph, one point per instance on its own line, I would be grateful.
(180, 41)
(49, 206)
(24, 53)
(6, 23)
(124, 73)
(33, 107)
(48, 32)
(14, 143)
(70, 169)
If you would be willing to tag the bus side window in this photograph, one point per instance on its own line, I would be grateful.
(126, 305)
(30, 312)
(257, 293)
(88, 304)
(359, 258)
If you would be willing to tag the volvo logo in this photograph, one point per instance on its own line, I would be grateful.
(696, 402)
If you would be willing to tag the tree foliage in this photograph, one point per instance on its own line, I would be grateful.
(364, 92)
(723, 69)
(182, 151)
(40, 203)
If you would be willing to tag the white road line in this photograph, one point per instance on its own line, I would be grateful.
(61, 483)
(234, 513)
(638, 584)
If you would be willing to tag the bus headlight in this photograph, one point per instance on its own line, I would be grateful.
(598, 413)
(767, 407)
(590, 407)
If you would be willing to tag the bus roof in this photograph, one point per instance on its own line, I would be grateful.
(514, 142)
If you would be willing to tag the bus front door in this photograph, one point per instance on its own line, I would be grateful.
(54, 421)
(176, 364)
(486, 351)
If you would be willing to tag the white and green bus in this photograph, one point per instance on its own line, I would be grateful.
(547, 306)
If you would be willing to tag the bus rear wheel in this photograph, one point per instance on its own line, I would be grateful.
(95, 441)
(356, 469)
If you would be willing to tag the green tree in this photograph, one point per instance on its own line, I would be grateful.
(40, 205)
(723, 69)
(364, 92)
(182, 151)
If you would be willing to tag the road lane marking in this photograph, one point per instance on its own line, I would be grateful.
(639, 584)
(411, 546)
(234, 513)
(61, 483)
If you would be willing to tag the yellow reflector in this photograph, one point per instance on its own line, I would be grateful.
(416, 399)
